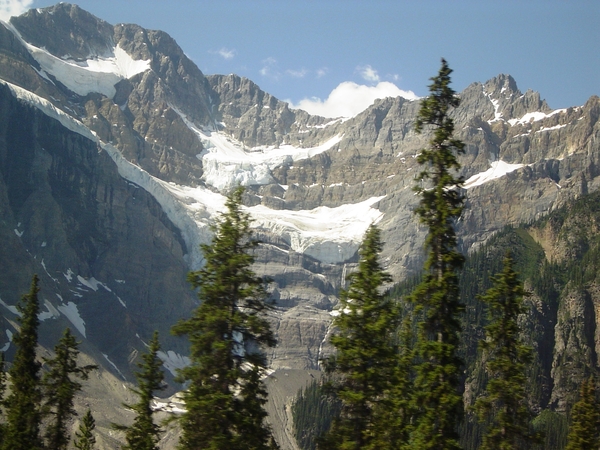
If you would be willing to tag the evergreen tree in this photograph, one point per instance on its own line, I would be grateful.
(503, 407)
(438, 399)
(585, 420)
(84, 438)
(365, 358)
(313, 410)
(226, 396)
(2, 392)
(22, 428)
(60, 387)
(144, 433)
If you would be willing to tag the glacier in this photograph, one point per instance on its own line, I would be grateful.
(330, 235)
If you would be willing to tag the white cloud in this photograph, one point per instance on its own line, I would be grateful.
(226, 53)
(322, 72)
(297, 73)
(269, 68)
(349, 99)
(10, 8)
(369, 74)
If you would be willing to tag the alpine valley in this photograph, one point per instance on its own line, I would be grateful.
(116, 153)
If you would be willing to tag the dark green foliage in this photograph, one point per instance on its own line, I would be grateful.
(553, 428)
(144, 434)
(585, 420)
(22, 428)
(60, 387)
(503, 406)
(313, 411)
(227, 331)
(2, 392)
(84, 437)
(437, 388)
(365, 360)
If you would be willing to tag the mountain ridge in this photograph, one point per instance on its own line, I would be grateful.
(172, 141)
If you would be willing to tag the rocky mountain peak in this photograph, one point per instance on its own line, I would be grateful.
(66, 29)
(501, 85)
(108, 189)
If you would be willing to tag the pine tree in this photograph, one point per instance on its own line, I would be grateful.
(144, 434)
(22, 428)
(503, 407)
(585, 420)
(2, 392)
(365, 358)
(437, 384)
(226, 395)
(59, 388)
(84, 438)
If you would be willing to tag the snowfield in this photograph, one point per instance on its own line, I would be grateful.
(331, 235)
(498, 169)
(95, 74)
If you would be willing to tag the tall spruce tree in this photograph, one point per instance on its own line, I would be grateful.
(84, 437)
(366, 356)
(585, 420)
(23, 417)
(144, 434)
(226, 395)
(503, 407)
(437, 395)
(2, 392)
(60, 384)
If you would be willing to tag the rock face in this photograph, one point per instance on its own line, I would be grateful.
(108, 183)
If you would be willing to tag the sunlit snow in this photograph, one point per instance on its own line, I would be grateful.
(95, 74)
(498, 169)
(98, 74)
(227, 163)
(534, 117)
(330, 235)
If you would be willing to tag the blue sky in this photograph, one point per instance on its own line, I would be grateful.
(309, 49)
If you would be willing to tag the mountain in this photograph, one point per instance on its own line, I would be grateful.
(116, 152)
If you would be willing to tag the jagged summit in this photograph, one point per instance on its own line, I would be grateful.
(66, 30)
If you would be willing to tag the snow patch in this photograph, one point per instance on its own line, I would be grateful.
(555, 127)
(114, 365)
(69, 275)
(498, 169)
(496, 103)
(98, 74)
(50, 313)
(71, 312)
(48, 273)
(534, 117)
(227, 163)
(173, 361)
(92, 283)
(9, 335)
(331, 235)
(12, 308)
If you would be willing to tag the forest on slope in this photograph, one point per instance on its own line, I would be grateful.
(558, 260)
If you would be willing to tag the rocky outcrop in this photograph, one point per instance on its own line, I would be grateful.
(110, 262)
